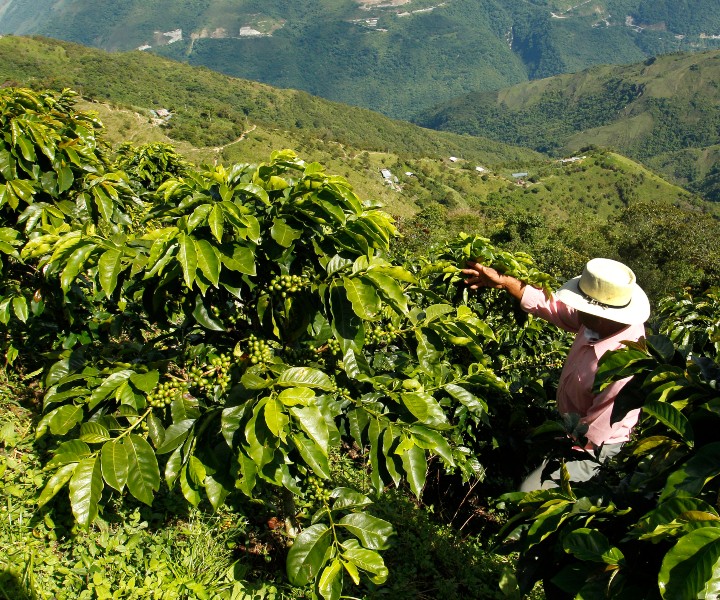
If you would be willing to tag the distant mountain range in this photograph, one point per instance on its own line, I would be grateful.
(664, 112)
(397, 57)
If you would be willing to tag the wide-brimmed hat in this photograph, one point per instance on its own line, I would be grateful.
(607, 289)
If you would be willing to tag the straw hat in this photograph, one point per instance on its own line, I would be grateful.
(607, 289)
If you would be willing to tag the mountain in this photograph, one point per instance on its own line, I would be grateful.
(663, 111)
(397, 57)
(219, 118)
(561, 210)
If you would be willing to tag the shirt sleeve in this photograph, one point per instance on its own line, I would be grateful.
(550, 309)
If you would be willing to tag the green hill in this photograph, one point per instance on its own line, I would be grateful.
(393, 56)
(439, 183)
(219, 118)
(212, 109)
(664, 112)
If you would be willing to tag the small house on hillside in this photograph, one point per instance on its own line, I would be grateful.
(519, 175)
(389, 178)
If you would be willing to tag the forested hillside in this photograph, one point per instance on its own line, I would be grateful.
(394, 57)
(664, 112)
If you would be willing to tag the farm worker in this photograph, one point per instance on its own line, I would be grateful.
(604, 307)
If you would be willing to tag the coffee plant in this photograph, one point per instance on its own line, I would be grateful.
(648, 525)
(229, 328)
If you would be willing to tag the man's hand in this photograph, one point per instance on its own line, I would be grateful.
(481, 276)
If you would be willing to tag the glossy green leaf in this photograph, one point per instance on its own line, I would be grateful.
(373, 533)
(248, 475)
(144, 473)
(474, 404)
(65, 179)
(415, 467)
(183, 407)
(196, 470)
(330, 583)
(425, 408)
(188, 487)
(65, 418)
(258, 438)
(172, 466)
(103, 202)
(672, 511)
(216, 221)
(345, 498)
(283, 234)
(109, 385)
(313, 455)
(93, 433)
(275, 417)
(187, 256)
(547, 521)
(591, 545)
(346, 324)
(691, 569)
(435, 311)
(74, 265)
(155, 430)
(313, 424)
(391, 460)
(672, 418)
(238, 258)
(202, 316)
(364, 298)
(691, 477)
(231, 420)
(86, 486)
(216, 492)
(374, 433)
(307, 554)
(109, 266)
(114, 463)
(429, 349)
(199, 216)
(296, 395)
(305, 377)
(71, 451)
(366, 560)
(208, 261)
(145, 382)
(56, 482)
(20, 308)
(175, 435)
(390, 290)
(430, 439)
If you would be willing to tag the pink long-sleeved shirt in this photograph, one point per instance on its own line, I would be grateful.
(574, 393)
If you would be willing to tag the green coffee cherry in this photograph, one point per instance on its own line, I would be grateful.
(285, 285)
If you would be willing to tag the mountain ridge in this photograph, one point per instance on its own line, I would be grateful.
(397, 58)
(648, 111)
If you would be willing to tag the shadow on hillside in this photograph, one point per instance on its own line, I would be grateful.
(11, 588)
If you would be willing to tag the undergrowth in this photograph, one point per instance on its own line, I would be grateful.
(168, 552)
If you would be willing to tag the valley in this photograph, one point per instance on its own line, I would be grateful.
(399, 58)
